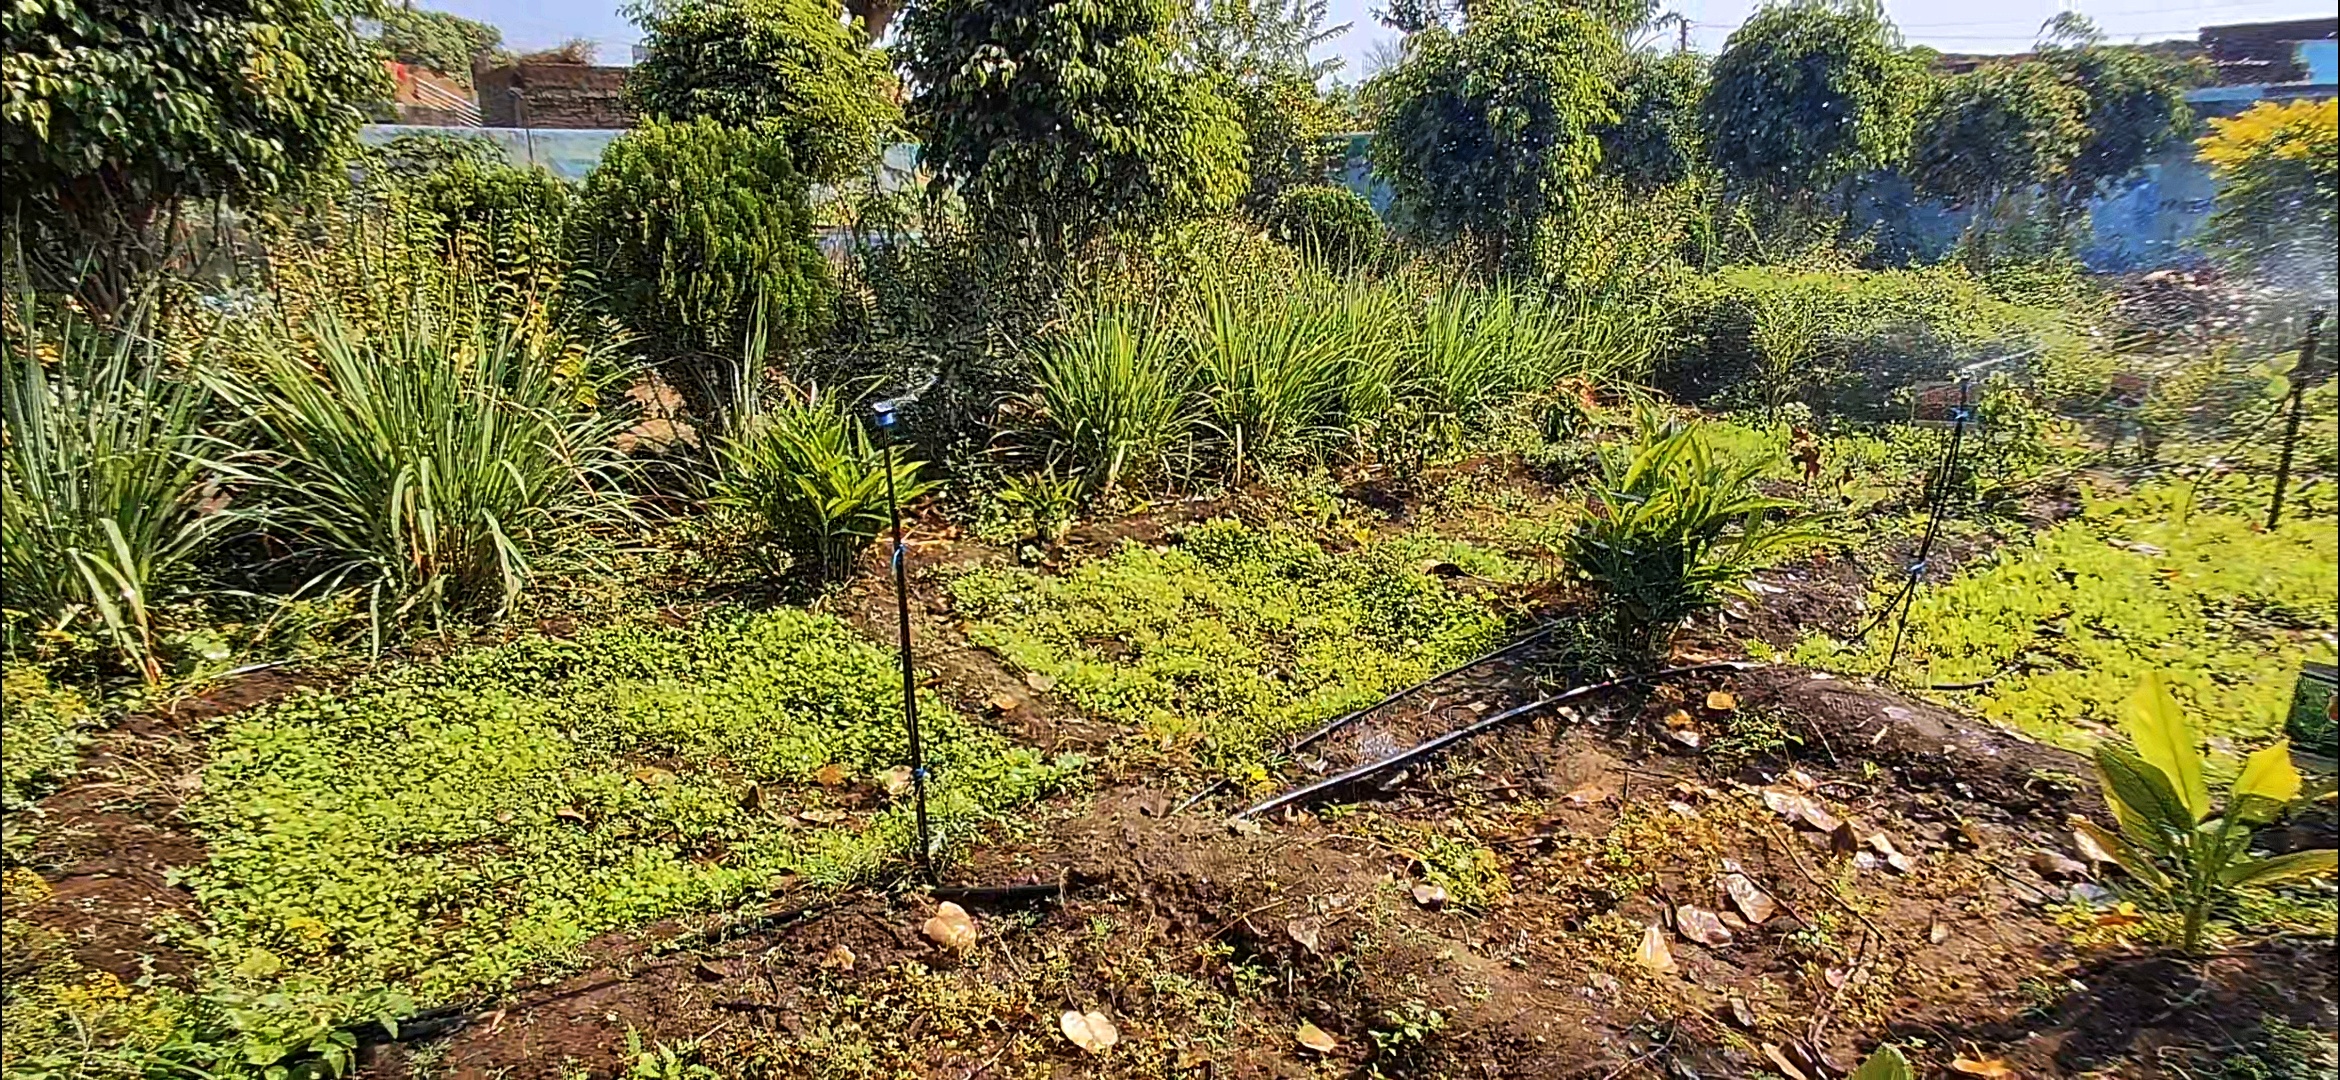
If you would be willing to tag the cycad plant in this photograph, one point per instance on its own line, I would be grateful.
(807, 477)
(430, 458)
(1671, 530)
(1111, 397)
(101, 473)
(2173, 841)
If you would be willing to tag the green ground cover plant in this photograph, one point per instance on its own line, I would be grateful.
(1216, 648)
(2070, 619)
(451, 828)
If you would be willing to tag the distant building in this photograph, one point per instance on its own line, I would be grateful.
(428, 98)
(533, 93)
(2270, 53)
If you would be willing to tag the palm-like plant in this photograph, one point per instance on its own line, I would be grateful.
(101, 473)
(808, 477)
(1672, 530)
(2172, 840)
(429, 458)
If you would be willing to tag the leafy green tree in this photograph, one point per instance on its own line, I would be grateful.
(1809, 93)
(699, 237)
(1656, 139)
(1061, 120)
(1997, 130)
(2136, 104)
(1487, 132)
(447, 44)
(2278, 172)
(507, 222)
(1256, 53)
(112, 111)
(795, 63)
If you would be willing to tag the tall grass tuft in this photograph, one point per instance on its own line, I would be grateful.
(1272, 372)
(805, 474)
(1111, 397)
(101, 473)
(431, 457)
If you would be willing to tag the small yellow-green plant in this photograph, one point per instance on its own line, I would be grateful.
(2172, 839)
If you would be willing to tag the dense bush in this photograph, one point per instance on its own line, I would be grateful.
(1656, 139)
(1484, 133)
(447, 44)
(2278, 205)
(113, 111)
(1996, 130)
(802, 472)
(498, 222)
(697, 236)
(432, 461)
(793, 64)
(2136, 104)
(1808, 93)
(101, 473)
(1062, 120)
(1328, 221)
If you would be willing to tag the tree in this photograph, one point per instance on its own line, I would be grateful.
(112, 111)
(699, 236)
(447, 44)
(1656, 140)
(1487, 132)
(2278, 172)
(2136, 104)
(1809, 93)
(1998, 130)
(795, 63)
(1256, 54)
(1061, 120)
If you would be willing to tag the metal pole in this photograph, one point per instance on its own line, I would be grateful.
(1941, 502)
(909, 673)
(2300, 373)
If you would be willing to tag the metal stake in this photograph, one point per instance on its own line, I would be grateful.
(2301, 372)
(885, 423)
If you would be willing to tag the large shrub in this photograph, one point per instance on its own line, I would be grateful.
(1257, 53)
(100, 476)
(1809, 93)
(1326, 220)
(1484, 133)
(499, 222)
(111, 111)
(2136, 104)
(2278, 173)
(1656, 140)
(1998, 129)
(793, 63)
(430, 460)
(447, 44)
(1061, 120)
(698, 235)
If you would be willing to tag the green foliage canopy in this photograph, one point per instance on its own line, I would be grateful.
(795, 63)
(698, 235)
(1656, 140)
(111, 110)
(1809, 93)
(1066, 119)
(445, 43)
(2136, 104)
(1256, 53)
(2278, 172)
(1486, 132)
(1998, 129)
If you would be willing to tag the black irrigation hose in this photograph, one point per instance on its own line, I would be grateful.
(1459, 734)
(1340, 722)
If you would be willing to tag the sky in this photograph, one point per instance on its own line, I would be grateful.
(1969, 26)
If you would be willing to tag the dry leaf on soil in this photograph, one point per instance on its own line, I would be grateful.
(1987, 1068)
(2089, 848)
(1430, 895)
(838, 958)
(1799, 808)
(951, 927)
(1721, 700)
(1587, 795)
(1305, 930)
(1894, 857)
(1653, 953)
(1314, 1038)
(897, 779)
(1093, 1032)
(1780, 1061)
(830, 775)
(1938, 933)
(1752, 902)
(1701, 926)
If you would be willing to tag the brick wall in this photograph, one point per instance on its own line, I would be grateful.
(534, 94)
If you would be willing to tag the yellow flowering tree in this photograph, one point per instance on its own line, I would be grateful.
(2278, 172)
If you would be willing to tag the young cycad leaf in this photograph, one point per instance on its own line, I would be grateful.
(2281, 868)
(2165, 740)
(1886, 1064)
